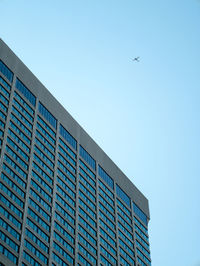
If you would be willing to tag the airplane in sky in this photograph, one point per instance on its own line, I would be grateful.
(136, 59)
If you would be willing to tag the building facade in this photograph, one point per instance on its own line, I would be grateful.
(62, 200)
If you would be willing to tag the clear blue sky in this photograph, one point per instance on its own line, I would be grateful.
(146, 115)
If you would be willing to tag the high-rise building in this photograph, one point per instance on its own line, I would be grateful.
(62, 199)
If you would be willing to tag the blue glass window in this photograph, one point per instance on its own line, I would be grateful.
(68, 137)
(45, 141)
(106, 196)
(106, 211)
(21, 100)
(87, 254)
(8, 254)
(142, 240)
(39, 210)
(42, 173)
(125, 239)
(89, 211)
(88, 158)
(47, 115)
(2, 106)
(35, 251)
(67, 148)
(105, 261)
(58, 260)
(5, 83)
(111, 224)
(9, 229)
(64, 213)
(66, 163)
(69, 182)
(16, 157)
(10, 217)
(87, 244)
(19, 150)
(42, 182)
(140, 214)
(66, 155)
(141, 233)
(106, 177)
(141, 263)
(106, 189)
(107, 228)
(46, 134)
(87, 169)
(124, 214)
(84, 261)
(49, 171)
(19, 107)
(125, 263)
(125, 230)
(30, 259)
(18, 140)
(2, 124)
(38, 219)
(2, 115)
(64, 233)
(42, 193)
(26, 92)
(66, 205)
(37, 241)
(125, 223)
(126, 248)
(103, 233)
(21, 125)
(44, 157)
(64, 223)
(87, 176)
(87, 192)
(106, 204)
(129, 258)
(63, 253)
(11, 206)
(4, 100)
(12, 185)
(85, 215)
(20, 133)
(37, 230)
(15, 166)
(123, 195)
(46, 126)
(108, 246)
(63, 242)
(87, 235)
(143, 257)
(90, 229)
(123, 207)
(87, 200)
(65, 196)
(67, 189)
(66, 171)
(108, 255)
(39, 143)
(143, 249)
(6, 71)
(141, 225)
(84, 181)
(4, 91)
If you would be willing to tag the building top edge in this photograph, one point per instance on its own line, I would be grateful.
(63, 116)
